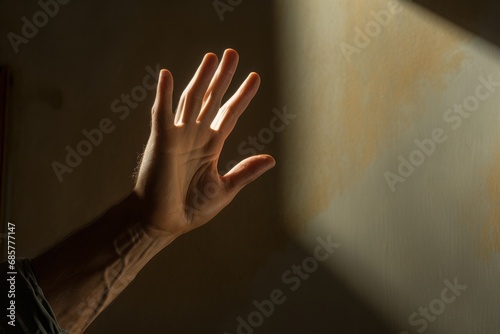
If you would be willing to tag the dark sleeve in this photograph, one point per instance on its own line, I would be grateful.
(32, 310)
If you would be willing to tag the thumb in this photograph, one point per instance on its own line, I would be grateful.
(247, 171)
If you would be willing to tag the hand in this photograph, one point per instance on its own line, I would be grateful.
(178, 178)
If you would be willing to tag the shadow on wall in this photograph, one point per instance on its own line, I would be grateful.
(313, 300)
(279, 298)
(479, 17)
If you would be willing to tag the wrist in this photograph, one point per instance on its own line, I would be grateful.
(143, 212)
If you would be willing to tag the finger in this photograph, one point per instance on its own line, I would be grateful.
(162, 107)
(246, 172)
(218, 86)
(229, 114)
(195, 91)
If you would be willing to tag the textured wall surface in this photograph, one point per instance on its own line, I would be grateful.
(336, 235)
(394, 152)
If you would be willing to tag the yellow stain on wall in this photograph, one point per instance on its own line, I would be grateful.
(387, 78)
(347, 133)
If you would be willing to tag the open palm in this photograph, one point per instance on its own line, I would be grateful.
(178, 177)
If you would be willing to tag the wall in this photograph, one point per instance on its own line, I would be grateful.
(370, 82)
(349, 122)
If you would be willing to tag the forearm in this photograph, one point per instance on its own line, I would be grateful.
(82, 275)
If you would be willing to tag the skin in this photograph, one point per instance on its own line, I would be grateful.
(178, 188)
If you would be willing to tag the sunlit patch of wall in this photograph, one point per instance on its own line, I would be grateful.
(357, 112)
